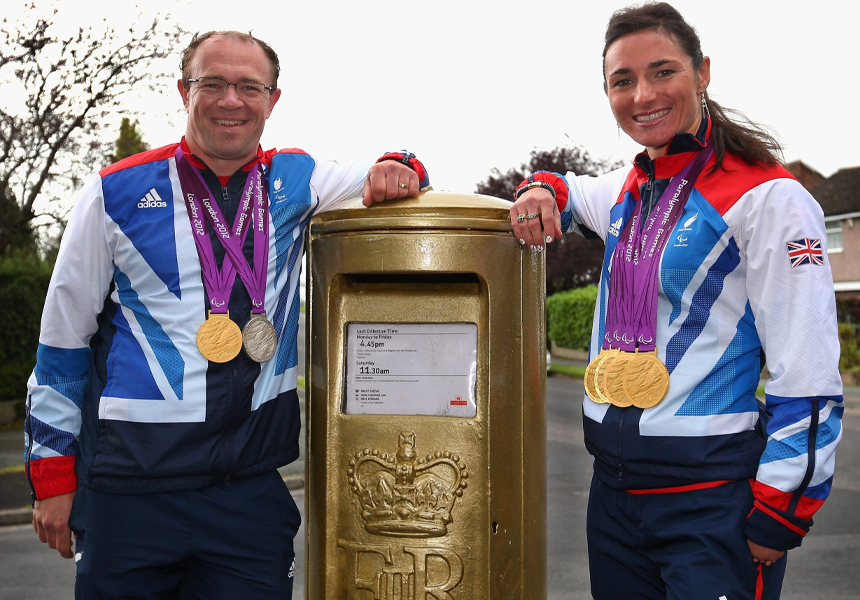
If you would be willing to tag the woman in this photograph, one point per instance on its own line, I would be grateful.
(714, 258)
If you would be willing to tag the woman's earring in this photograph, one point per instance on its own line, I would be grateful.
(705, 112)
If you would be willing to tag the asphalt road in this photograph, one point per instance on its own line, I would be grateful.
(821, 569)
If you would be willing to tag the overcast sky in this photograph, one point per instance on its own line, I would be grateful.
(473, 84)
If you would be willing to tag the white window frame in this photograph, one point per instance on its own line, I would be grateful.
(833, 229)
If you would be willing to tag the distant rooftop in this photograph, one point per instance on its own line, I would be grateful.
(805, 174)
(839, 194)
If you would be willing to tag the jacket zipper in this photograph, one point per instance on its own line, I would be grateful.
(649, 189)
(620, 445)
(229, 462)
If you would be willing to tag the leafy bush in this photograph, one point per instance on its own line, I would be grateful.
(569, 317)
(13, 380)
(849, 359)
(23, 284)
(848, 308)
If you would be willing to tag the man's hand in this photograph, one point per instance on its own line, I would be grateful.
(51, 523)
(387, 180)
(763, 555)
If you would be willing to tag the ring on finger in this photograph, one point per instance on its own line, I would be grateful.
(405, 186)
(521, 218)
(531, 216)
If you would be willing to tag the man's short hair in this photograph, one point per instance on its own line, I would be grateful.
(188, 54)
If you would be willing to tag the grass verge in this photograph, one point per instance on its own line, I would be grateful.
(567, 371)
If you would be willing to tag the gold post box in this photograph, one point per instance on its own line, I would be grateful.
(426, 423)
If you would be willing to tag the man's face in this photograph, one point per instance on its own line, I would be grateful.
(224, 129)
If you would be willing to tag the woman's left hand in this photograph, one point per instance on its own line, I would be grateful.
(764, 555)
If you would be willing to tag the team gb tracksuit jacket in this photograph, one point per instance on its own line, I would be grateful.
(121, 400)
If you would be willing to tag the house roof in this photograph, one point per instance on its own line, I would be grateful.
(800, 166)
(839, 194)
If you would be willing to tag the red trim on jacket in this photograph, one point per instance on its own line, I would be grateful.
(140, 159)
(778, 518)
(707, 485)
(53, 476)
(734, 179)
(562, 193)
(770, 496)
(413, 163)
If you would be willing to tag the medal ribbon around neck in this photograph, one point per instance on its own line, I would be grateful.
(631, 322)
(217, 340)
(627, 372)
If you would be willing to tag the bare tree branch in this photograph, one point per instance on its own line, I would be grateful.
(71, 87)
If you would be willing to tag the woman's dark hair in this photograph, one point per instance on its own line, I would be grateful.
(188, 54)
(730, 129)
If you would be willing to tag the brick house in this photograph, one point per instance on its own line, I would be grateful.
(805, 174)
(839, 196)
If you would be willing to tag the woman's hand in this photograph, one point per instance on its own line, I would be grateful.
(535, 219)
(765, 556)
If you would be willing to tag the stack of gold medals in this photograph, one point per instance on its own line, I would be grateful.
(627, 378)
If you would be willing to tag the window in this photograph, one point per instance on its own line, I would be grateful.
(834, 237)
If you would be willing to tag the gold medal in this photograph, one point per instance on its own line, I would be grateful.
(591, 374)
(259, 338)
(646, 380)
(588, 378)
(600, 373)
(613, 387)
(219, 338)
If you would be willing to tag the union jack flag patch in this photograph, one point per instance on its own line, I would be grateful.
(805, 252)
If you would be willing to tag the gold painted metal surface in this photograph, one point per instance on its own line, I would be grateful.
(413, 507)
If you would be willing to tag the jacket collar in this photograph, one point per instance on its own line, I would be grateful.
(198, 162)
(678, 153)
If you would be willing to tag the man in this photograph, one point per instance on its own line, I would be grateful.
(164, 394)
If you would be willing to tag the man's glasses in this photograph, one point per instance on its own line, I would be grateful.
(247, 90)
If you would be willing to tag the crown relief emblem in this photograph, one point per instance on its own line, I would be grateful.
(403, 495)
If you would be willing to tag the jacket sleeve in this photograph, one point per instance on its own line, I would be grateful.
(790, 289)
(334, 183)
(57, 386)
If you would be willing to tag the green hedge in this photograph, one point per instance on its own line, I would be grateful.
(849, 359)
(23, 284)
(848, 307)
(569, 317)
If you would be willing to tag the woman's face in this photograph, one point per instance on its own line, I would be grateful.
(653, 88)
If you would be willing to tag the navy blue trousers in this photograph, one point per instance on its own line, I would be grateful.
(677, 546)
(221, 542)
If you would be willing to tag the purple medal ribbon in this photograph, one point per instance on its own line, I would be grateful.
(631, 321)
(219, 284)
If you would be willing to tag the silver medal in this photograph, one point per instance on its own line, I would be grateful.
(259, 338)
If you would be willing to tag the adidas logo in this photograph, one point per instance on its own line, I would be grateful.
(615, 228)
(151, 200)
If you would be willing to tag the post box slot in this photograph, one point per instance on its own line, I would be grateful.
(412, 278)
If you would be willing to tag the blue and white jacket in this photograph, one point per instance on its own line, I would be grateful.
(121, 399)
(744, 277)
